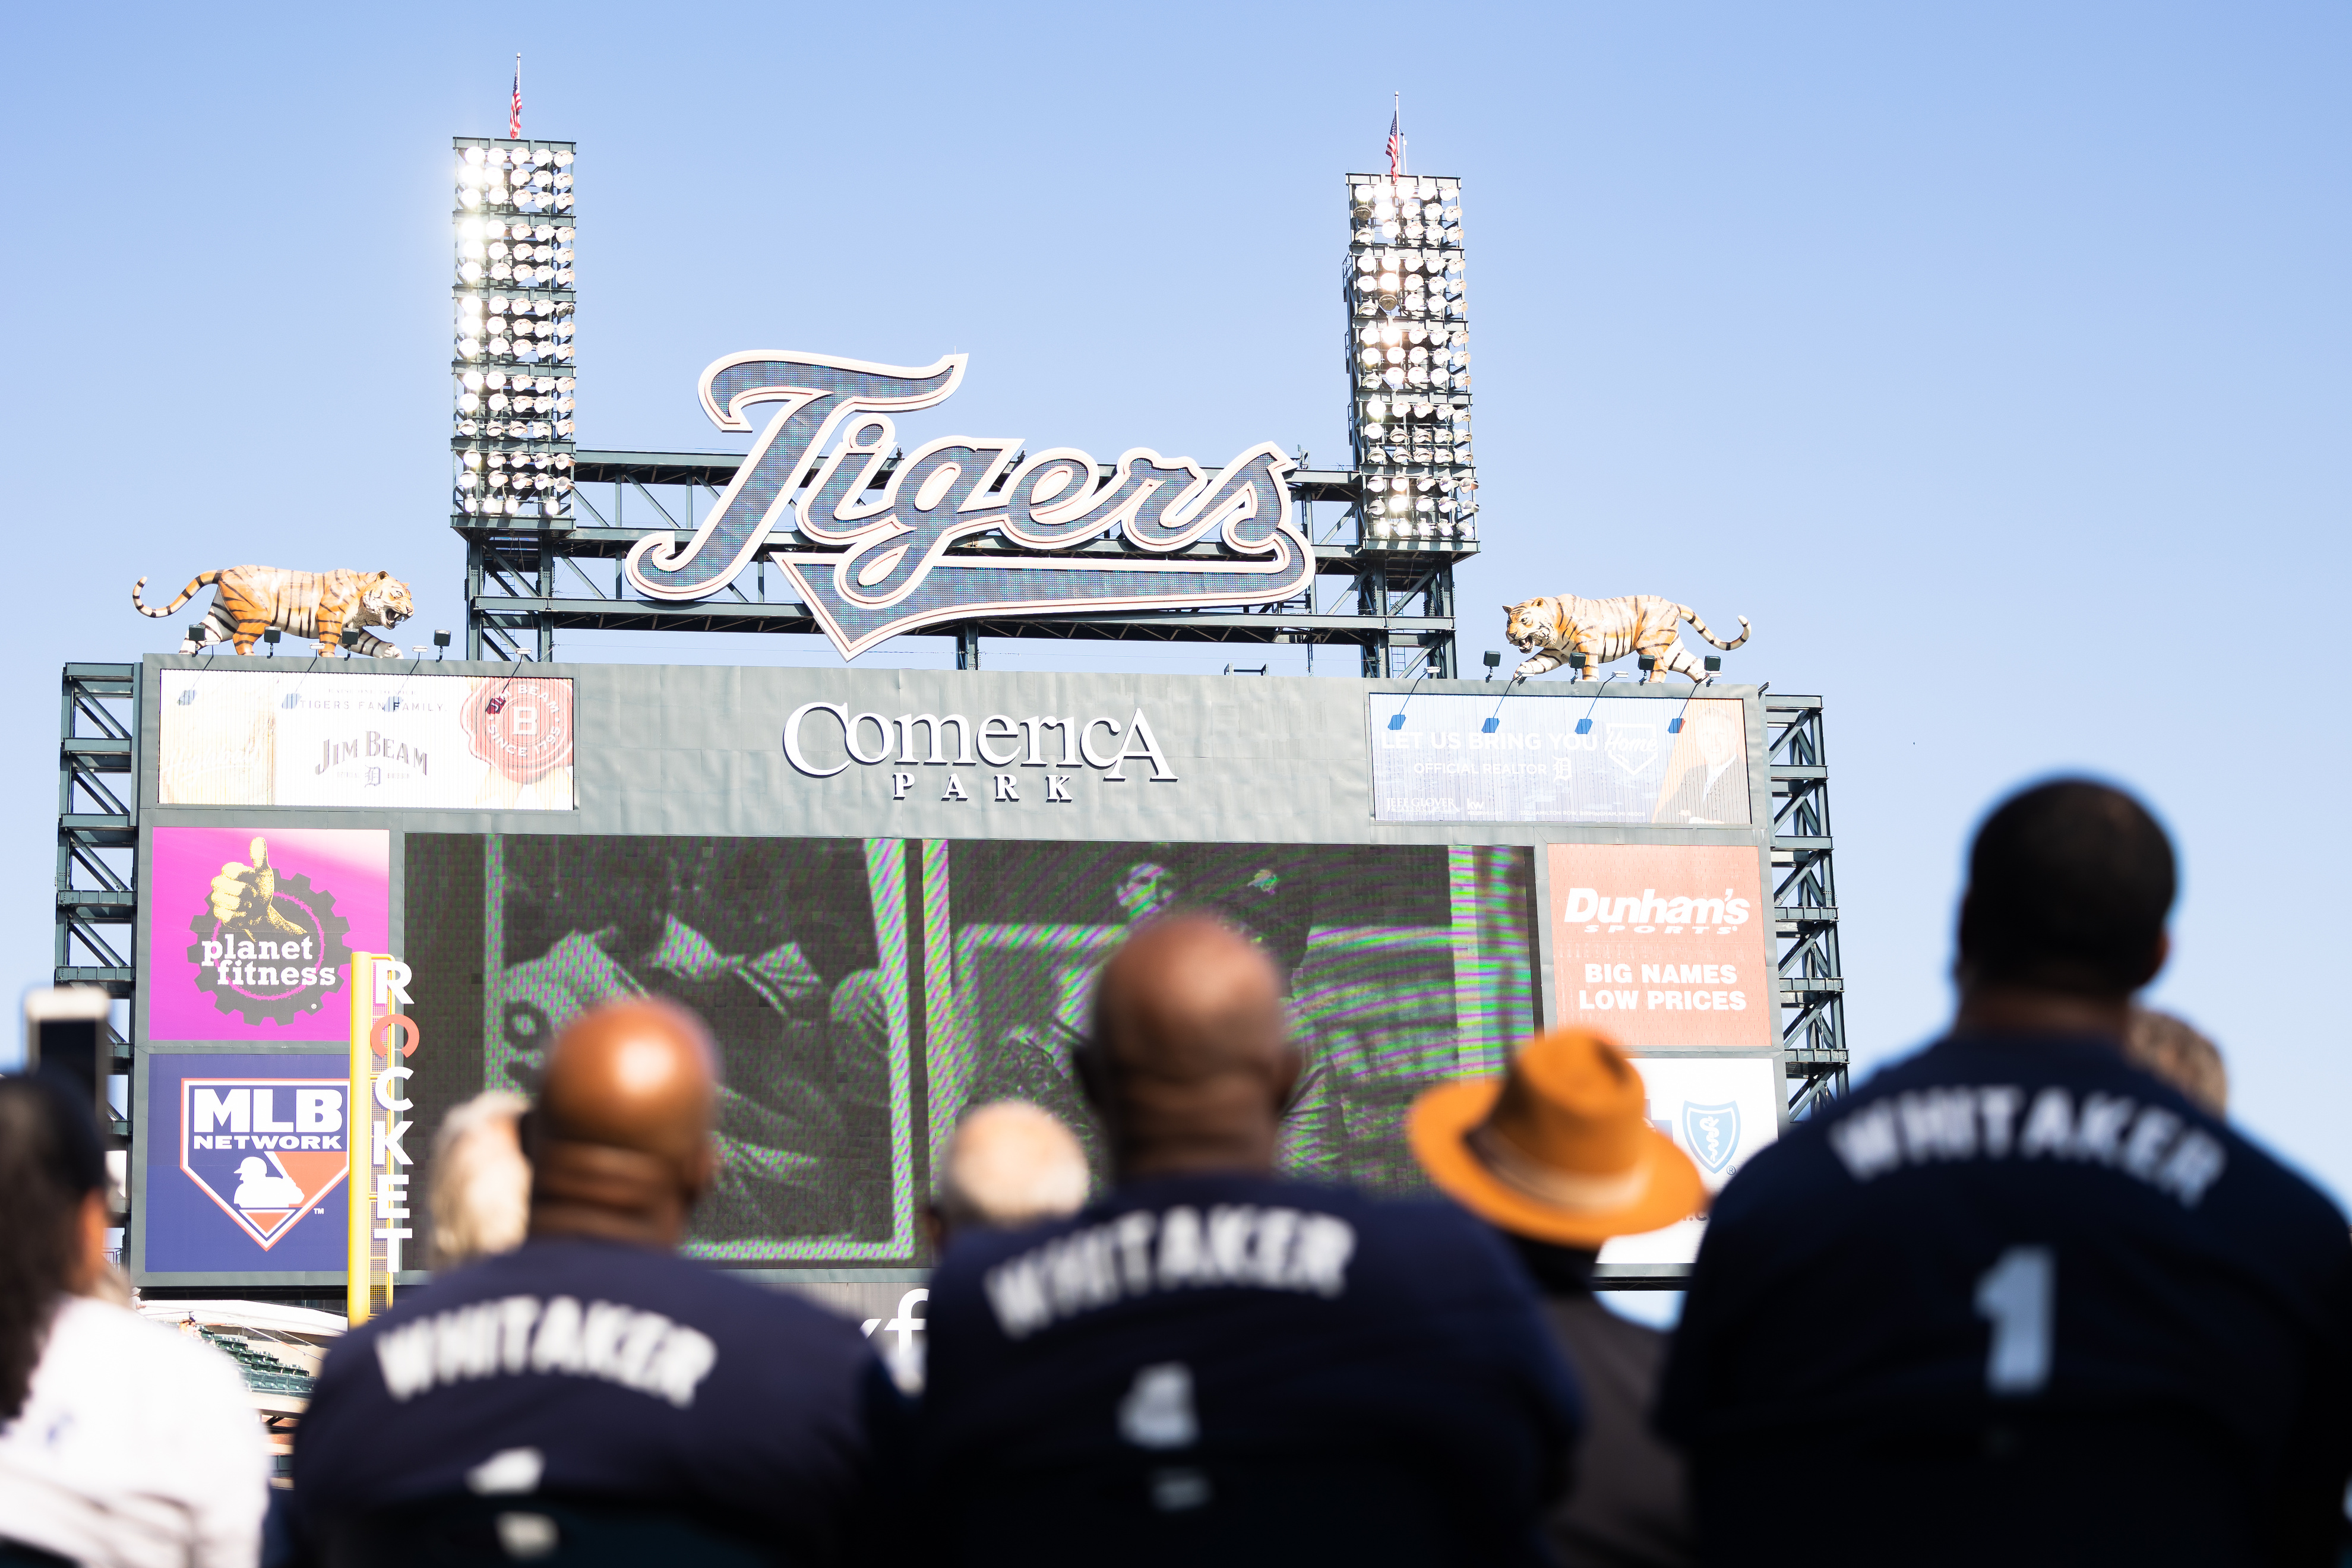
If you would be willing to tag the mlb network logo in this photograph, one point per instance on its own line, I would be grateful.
(267, 1150)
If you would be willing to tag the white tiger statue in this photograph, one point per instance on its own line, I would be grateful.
(1606, 630)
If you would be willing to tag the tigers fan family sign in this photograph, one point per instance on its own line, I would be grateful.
(303, 737)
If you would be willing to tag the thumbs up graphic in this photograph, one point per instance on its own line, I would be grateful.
(244, 897)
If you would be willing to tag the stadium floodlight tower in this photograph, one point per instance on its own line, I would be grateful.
(511, 444)
(1409, 363)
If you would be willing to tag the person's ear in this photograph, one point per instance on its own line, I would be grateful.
(89, 1224)
(1094, 1078)
(1285, 1076)
(2158, 956)
(702, 1171)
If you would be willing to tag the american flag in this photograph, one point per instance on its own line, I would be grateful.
(514, 108)
(1396, 137)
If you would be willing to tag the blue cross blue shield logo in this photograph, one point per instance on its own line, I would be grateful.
(1711, 1133)
(267, 1150)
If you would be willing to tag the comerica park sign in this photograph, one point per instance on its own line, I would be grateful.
(876, 556)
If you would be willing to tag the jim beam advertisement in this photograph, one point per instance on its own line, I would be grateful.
(1663, 946)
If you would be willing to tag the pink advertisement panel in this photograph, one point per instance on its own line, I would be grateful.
(250, 930)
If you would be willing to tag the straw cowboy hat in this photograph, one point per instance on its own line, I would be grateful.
(1558, 1148)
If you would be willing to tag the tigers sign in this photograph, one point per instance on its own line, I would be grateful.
(964, 525)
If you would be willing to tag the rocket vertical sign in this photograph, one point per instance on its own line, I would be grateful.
(378, 1212)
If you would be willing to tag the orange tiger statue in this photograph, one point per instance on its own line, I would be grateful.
(249, 599)
(1605, 630)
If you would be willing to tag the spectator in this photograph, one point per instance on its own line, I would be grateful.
(121, 1442)
(1212, 1364)
(2026, 1302)
(480, 1196)
(1558, 1156)
(604, 1381)
(2172, 1049)
(1010, 1163)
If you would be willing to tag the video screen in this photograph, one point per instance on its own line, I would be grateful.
(863, 993)
(1405, 966)
(792, 951)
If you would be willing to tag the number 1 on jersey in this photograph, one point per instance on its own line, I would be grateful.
(2018, 1295)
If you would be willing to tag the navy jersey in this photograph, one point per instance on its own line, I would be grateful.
(2026, 1304)
(1238, 1369)
(591, 1369)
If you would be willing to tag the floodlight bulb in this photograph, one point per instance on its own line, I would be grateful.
(474, 156)
(473, 380)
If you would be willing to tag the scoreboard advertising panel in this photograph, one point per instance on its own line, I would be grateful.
(888, 893)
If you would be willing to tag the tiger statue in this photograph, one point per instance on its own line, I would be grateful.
(321, 605)
(1605, 630)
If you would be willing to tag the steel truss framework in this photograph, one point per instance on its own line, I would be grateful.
(98, 827)
(1804, 906)
(1393, 603)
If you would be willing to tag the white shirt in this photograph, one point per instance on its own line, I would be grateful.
(137, 1447)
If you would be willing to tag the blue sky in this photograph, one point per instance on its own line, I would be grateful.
(1991, 360)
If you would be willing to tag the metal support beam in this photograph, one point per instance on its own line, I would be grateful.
(1805, 915)
(98, 827)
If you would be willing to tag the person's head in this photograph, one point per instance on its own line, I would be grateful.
(1148, 888)
(480, 1195)
(2069, 886)
(1718, 735)
(620, 1140)
(1265, 895)
(1191, 1060)
(1010, 1163)
(53, 1220)
(1558, 1151)
(2174, 1050)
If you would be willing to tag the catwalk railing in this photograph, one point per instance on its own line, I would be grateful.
(98, 827)
(1392, 600)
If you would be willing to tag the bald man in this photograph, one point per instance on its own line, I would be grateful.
(593, 1379)
(1216, 1364)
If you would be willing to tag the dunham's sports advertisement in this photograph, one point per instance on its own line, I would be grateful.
(1663, 946)
(246, 1161)
(250, 929)
(266, 737)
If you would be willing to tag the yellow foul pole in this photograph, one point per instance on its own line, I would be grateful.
(357, 1120)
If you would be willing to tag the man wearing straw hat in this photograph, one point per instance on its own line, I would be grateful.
(1558, 1156)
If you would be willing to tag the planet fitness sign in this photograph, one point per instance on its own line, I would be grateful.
(878, 556)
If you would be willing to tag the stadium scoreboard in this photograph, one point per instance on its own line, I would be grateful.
(887, 892)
